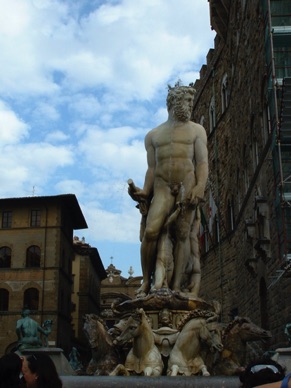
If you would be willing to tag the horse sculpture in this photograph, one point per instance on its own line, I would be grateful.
(196, 337)
(235, 337)
(144, 357)
(104, 354)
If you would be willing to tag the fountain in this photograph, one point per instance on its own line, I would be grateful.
(30, 342)
(168, 331)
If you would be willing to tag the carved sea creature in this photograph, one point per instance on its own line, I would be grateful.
(186, 355)
(104, 354)
(235, 337)
(144, 357)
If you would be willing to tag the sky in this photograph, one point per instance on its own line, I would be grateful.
(81, 83)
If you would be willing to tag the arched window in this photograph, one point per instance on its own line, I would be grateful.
(33, 256)
(224, 93)
(4, 299)
(212, 122)
(5, 257)
(31, 298)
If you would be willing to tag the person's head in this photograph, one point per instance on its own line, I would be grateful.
(39, 371)
(261, 372)
(10, 369)
(180, 99)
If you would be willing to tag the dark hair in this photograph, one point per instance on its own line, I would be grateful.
(44, 367)
(261, 372)
(10, 368)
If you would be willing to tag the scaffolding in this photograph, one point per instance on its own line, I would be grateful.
(278, 56)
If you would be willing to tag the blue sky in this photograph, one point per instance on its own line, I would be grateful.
(81, 83)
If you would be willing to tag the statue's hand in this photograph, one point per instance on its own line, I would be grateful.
(139, 195)
(196, 195)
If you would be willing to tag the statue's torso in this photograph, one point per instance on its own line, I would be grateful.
(174, 151)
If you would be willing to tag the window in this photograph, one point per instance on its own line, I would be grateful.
(31, 298)
(35, 218)
(33, 256)
(230, 215)
(212, 115)
(245, 170)
(224, 93)
(5, 257)
(255, 154)
(267, 128)
(4, 299)
(6, 219)
(215, 229)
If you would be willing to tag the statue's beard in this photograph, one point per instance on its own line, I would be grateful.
(182, 111)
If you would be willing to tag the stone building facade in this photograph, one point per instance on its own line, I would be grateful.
(246, 224)
(88, 272)
(36, 252)
(116, 287)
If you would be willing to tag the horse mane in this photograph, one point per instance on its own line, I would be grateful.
(198, 313)
(237, 321)
(137, 316)
(96, 318)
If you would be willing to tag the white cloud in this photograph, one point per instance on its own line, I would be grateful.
(81, 83)
(85, 105)
(72, 186)
(116, 45)
(31, 165)
(114, 152)
(117, 227)
(12, 128)
(45, 111)
(56, 136)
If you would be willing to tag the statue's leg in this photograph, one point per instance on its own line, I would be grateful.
(204, 371)
(195, 277)
(163, 262)
(159, 209)
(174, 370)
(182, 246)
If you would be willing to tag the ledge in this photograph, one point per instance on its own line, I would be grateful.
(143, 382)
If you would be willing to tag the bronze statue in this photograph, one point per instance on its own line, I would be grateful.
(27, 330)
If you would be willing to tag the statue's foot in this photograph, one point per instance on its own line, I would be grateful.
(142, 291)
(141, 294)
(177, 289)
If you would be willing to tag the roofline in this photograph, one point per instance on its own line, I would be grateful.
(67, 199)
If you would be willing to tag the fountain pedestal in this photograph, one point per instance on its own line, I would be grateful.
(56, 354)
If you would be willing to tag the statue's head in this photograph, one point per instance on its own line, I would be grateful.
(25, 312)
(177, 99)
(165, 318)
(176, 92)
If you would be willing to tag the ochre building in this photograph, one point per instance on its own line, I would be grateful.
(36, 256)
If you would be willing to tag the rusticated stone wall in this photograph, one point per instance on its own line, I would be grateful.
(237, 269)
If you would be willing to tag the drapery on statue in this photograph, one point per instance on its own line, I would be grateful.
(174, 186)
(27, 330)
